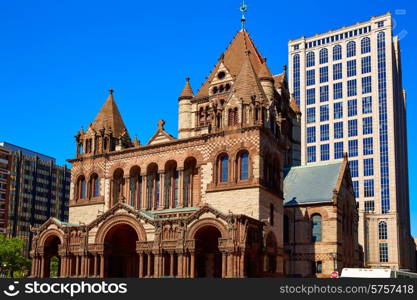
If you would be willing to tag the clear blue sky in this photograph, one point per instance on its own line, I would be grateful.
(59, 58)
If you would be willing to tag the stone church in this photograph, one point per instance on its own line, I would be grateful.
(209, 203)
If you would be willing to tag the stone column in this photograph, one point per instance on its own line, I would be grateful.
(148, 262)
(87, 258)
(224, 265)
(156, 266)
(127, 189)
(229, 265)
(42, 274)
(180, 187)
(32, 269)
(242, 265)
(140, 265)
(95, 264)
(77, 265)
(63, 260)
(143, 192)
(161, 189)
(179, 265)
(171, 264)
(101, 265)
(192, 271)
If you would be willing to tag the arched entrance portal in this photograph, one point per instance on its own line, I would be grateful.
(52, 260)
(120, 252)
(209, 258)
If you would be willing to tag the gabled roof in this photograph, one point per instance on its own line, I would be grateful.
(160, 135)
(233, 58)
(109, 118)
(311, 184)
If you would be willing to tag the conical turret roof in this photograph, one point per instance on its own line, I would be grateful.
(187, 92)
(109, 118)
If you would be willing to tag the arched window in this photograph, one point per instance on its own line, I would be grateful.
(232, 117)
(80, 148)
(296, 78)
(382, 230)
(201, 117)
(243, 161)
(189, 170)
(152, 187)
(94, 185)
(365, 45)
(351, 49)
(81, 188)
(223, 167)
(135, 188)
(118, 184)
(324, 58)
(171, 185)
(286, 229)
(316, 228)
(337, 52)
(310, 59)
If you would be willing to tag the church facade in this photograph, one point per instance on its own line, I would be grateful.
(209, 203)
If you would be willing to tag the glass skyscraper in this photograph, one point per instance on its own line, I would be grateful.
(348, 85)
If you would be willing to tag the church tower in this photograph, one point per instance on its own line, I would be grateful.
(107, 133)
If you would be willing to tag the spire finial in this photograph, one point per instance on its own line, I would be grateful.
(111, 91)
(243, 8)
(187, 79)
(161, 124)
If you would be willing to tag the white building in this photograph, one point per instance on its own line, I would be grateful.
(348, 85)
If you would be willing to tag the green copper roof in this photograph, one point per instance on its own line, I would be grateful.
(310, 184)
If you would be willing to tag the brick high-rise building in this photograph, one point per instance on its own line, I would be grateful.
(348, 84)
(5, 165)
(38, 190)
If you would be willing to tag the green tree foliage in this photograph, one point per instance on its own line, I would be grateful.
(11, 259)
(54, 267)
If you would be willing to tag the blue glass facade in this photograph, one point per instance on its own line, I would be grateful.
(383, 126)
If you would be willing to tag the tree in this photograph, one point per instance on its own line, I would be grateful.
(11, 258)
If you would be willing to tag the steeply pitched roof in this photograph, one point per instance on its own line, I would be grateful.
(233, 58)
(311, 183)
(247, 83)
(187, 91)
(109, 117)
(264, 72)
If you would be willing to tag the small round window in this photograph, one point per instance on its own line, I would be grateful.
(221, 75)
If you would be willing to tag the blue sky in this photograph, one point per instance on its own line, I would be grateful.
(59, 58)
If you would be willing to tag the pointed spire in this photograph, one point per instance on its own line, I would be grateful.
(109, 118)
(187, 92)
(136, 141)
(243, 8)
(265, 73)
